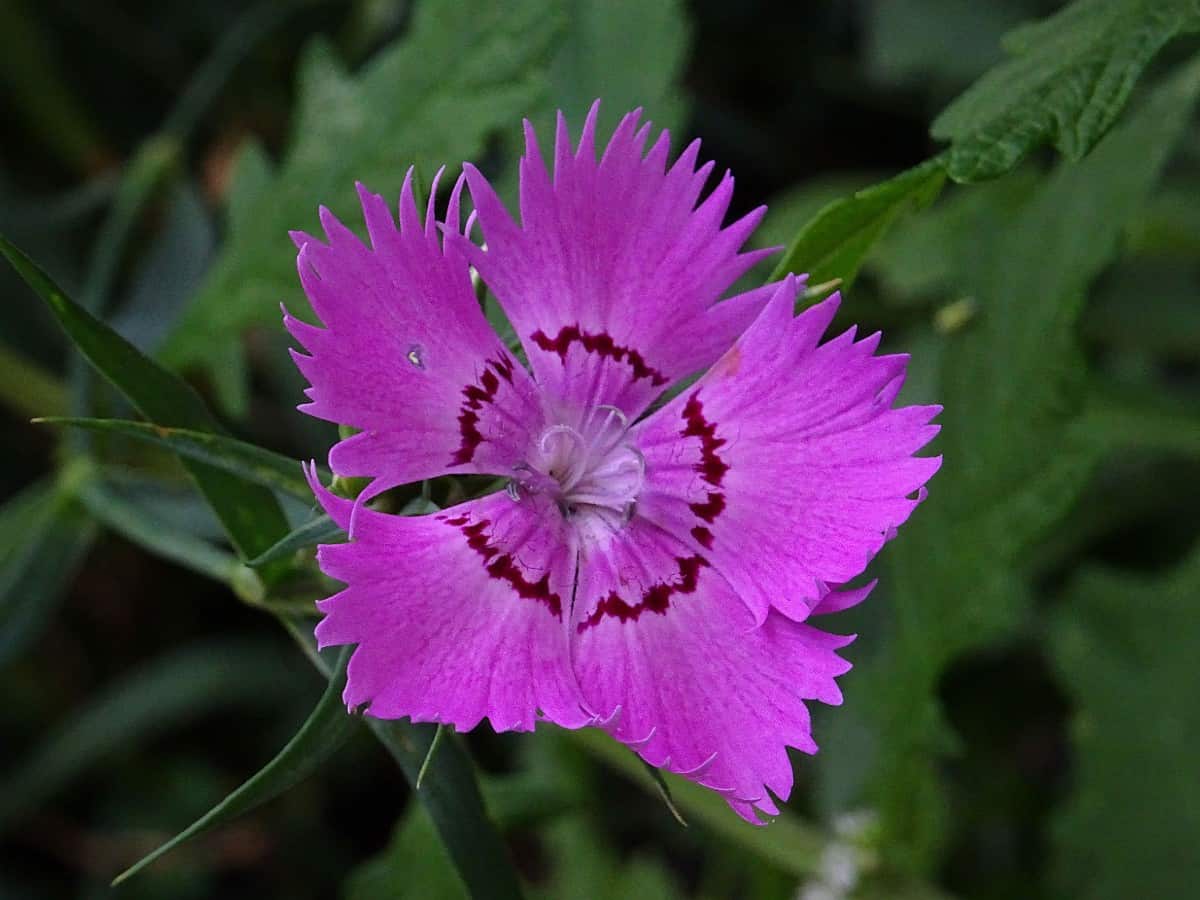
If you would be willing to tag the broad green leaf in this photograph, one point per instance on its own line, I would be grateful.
(938, 44)
(450, 792)
(249, 512)
(1012, 382)
(1067, 82)
(625, 53)
(414, 858)
(323, 732)
(180, 687)
(792, 209)
(835, 242)
(1126, 647)
(584, 867)
(44, 536)
(1119, 318)
(931, 257)
(1139, 420)
(250, 462)
(460, 73)
(788, 843)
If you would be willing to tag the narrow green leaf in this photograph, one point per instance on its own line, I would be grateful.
(248, 461)
(178, 688)
(433, 748)
(249, 512)
(26, 388)
(323, 732)
(143, 528)
(44, 536)
(836, 241)
(351, 127)
(450, 793)
(1068, 80)
(322, 530)
(664, 791)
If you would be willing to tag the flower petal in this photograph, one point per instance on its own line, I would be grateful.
(786, 464)
(663, 645)
(458, 616)
(611, 277)
(406, 354)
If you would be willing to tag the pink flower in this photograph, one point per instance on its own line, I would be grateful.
(652, 573)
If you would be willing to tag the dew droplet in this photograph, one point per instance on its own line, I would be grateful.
(416, 356)
(514, 491)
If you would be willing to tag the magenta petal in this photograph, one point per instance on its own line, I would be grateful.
(406, 355)
(457, 616)
(702, 691)
(611, 278)
(786, 465)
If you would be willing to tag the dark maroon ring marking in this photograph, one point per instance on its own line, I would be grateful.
(601, 344)
(656, 599)
(711, 467)
(502, 567)
(475, 396)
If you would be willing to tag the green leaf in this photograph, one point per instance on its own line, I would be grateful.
(1013, 385)
(249, 462)
(836, 241)
(931, 257)
(169, 271)
(1139, 420)
(28, 389)
(1068, 80)
(140, 525)
(44, 537)
(942, 44)
(625, 52)
(402, 109)
(181, 687)
(450, 792)
(1125, 645)
(585, 868)
(414, 858)
(1012, 381)
(788, 843)
(664, 792)
(323, 732)
(322, 530)
(250, 513)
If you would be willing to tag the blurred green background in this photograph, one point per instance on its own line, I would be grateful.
(1023, 713)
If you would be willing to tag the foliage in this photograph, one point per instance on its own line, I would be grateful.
(1067, 83)
(1022, 713)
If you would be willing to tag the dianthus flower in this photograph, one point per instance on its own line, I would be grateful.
(648, 571)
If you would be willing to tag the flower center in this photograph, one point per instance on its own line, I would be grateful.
(588, 468)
